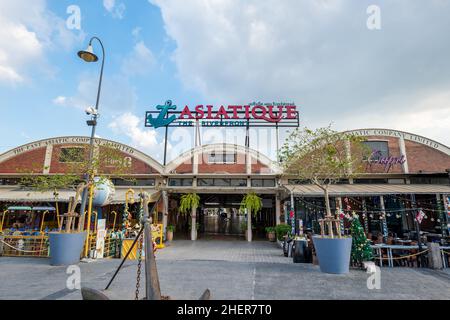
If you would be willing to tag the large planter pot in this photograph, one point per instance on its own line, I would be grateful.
(333, 254)
(169, 236)
(272, 236)
(65, 248)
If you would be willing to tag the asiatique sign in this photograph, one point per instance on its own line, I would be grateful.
(251, 115)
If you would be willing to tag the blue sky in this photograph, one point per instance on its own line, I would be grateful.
(320, 54)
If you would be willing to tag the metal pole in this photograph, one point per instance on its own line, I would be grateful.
(91, 141)
(129, 251)
(165, 145)
(152, 288)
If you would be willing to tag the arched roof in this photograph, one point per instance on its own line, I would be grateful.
(402, 134)
(82, 140)
(187, 155)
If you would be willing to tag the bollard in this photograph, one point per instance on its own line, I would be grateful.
(434, 256)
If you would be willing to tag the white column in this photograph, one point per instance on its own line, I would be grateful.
(401, 142)
(277, 209)
(165, 198)
(48, 159)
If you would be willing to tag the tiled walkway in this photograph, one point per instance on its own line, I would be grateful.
(225, 250)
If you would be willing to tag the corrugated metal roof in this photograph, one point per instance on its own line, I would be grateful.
(15, 194)
(368, 189)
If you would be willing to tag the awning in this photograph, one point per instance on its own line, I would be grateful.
(18, 195)
(308, 190)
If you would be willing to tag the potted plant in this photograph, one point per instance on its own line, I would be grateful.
(323, 157)
(271, 235)
(282, 230)
(190, 202)
(251, 204)
(169, 232)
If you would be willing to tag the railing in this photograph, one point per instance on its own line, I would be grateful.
(25, 246)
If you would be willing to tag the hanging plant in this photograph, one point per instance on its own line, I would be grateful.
(252, 202)
(189, 201)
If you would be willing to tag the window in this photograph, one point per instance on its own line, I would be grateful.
(429, 180)
(180, 182)
(370, 181)
(221, 157)
(238, 182)
(267, 183)
(134, 182)
(379, 149)
(298, 181)
(205, 182)
(71, 155)
(219, 182)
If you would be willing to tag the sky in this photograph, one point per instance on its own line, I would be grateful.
(355, 64)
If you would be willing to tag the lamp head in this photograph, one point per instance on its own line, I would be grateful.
(88, 55)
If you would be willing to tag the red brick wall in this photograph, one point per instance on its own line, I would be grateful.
(258, 167)
(137, 166)
(238, 167)
(424, 158)
(30, 161)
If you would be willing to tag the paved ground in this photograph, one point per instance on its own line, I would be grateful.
(231, 269)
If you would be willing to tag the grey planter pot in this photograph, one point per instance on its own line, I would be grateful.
(333, 254)
(65, 248)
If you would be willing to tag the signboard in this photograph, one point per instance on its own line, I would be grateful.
(388, 162)
(419, 216)
(251, 115)
(101, 235)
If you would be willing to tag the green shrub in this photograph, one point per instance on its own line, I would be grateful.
(282, 230)
(170, 228)
(270, 229)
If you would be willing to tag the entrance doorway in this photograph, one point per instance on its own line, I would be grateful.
(218, 215)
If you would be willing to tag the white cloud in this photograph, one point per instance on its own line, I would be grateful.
(139, 61)
(27, 30)
(144, 139)
(319, 54)
(116, 10)
(117, 94)
(109, 4)
(60, 100)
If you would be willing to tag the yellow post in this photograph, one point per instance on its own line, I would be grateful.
(42, 222)
(95, 220)
(114, 223)
(3, 219)
(88, 227)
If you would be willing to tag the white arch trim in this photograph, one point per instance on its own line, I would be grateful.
(402, 134)
(82, 140)
(221, 147)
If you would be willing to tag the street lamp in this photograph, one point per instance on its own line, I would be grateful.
(88, 55)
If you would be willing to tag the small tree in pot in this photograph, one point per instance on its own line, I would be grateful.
(253, 204)
(170, 229)
(323, 157)
(190, 202)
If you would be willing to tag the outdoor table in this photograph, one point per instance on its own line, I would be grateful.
(389, 249)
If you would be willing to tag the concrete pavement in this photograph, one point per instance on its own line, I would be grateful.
(230, 269)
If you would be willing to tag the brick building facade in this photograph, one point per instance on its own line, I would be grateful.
(405, 168)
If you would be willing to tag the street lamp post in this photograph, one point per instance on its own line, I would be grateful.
(89, 56)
